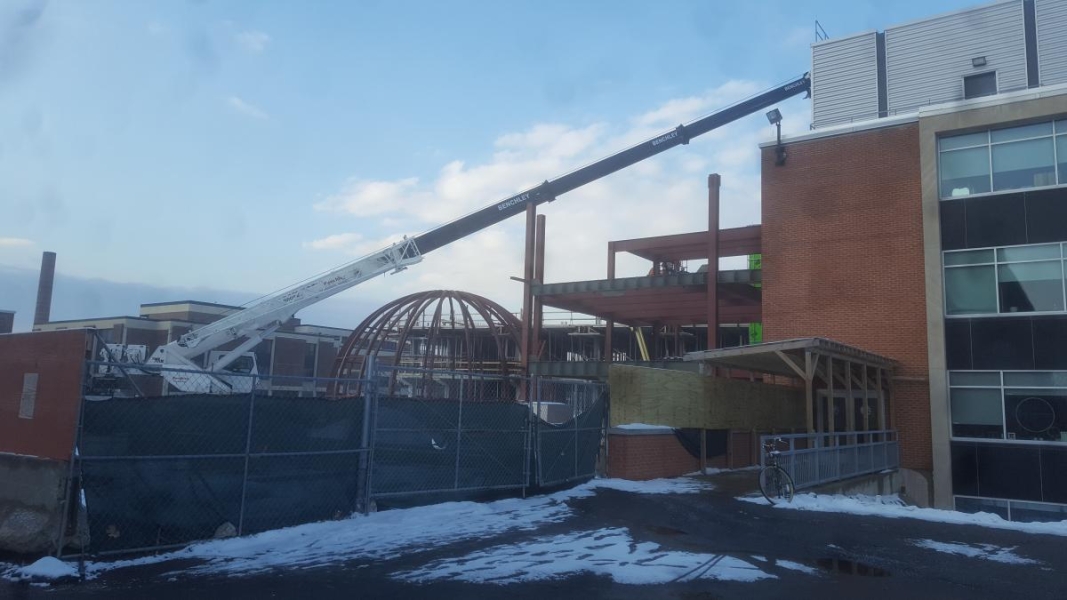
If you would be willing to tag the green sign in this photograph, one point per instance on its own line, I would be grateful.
(755, 333)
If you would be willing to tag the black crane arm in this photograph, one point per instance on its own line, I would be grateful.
(549, 190)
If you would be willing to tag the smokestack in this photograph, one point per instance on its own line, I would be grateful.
(7, 321)
(44, 288)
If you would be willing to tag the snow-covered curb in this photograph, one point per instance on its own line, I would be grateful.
(383, 535)
(894, 507)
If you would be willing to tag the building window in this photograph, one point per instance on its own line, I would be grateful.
(1013, 158)
(1013, 279)
(1009, 405)
(980, 84)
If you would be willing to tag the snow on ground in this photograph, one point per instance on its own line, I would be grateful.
(610, 552)
(644, 426)
(894, 507)
(986, 551)
(48, 567)
(386, 534)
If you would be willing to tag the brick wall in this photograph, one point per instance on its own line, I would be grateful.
(653, 456)
(57, 358)
(843, 259)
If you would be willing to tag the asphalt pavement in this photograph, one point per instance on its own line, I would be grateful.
(840, 556)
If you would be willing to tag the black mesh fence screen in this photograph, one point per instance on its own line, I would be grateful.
(160, 467)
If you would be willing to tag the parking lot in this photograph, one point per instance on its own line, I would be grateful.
(616, 540)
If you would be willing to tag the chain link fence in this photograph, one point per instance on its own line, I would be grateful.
(158, 467)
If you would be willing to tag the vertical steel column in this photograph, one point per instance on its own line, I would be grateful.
(809, 382)
(248, 452)
(527, 280)
(575, 419)
(714, 182)
(539, 278)
(609, 324)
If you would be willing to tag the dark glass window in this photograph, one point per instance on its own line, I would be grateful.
(1006, 471)
(1050, 342)
(981, 84)
(996, 221)
(958, 344)
(1053, 467)
(1002, 344)
(1046, 214)
(953, 225)
(1036, 414)
(964, 468)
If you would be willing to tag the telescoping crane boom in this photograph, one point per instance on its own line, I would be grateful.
(264, 317)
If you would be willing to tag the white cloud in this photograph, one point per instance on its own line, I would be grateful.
(12, 242)
(253, 41)
(662, 195)
(340, 241)
(247, 109)
(155, 28)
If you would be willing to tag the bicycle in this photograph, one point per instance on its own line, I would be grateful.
(774, 482)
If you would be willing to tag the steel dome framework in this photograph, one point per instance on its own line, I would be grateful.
(443, 330)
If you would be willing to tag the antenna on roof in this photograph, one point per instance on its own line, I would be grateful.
(820, 33)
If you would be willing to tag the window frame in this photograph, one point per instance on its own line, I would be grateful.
(1057, 123)
(995, 264)
(996, 83)
(1003, 405)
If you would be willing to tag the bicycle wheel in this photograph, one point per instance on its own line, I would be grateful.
(775, 484)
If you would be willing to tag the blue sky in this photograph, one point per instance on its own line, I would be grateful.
(242, 146)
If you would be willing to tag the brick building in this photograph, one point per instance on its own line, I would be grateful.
(296, 349)
(924, 218)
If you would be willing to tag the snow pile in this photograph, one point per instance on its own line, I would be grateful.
(681, 485)
(48, 567)
(986, 551)
(388, 534)
(894, 507)
(610, 552)
(644, 426)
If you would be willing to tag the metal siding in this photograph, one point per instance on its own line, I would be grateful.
(926, 61)
(844, 79)
(1052, 41)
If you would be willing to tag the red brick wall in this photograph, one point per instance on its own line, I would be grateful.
(57, 357)
(642, 457)
(843, 259)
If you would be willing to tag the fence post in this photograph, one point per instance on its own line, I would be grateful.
(248, 451)
(538, 456)
(75, 457)
(459, 436)
(575, 419)
(366, 456)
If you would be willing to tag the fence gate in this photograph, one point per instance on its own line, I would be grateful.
(567, 451)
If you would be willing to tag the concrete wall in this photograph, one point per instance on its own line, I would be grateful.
(683, 400)
(31, 503)
(931, 125)
(41, 424)
(843, 259)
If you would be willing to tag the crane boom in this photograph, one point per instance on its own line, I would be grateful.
(549, 190)
(261, 318)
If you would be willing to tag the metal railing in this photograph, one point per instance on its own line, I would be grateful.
(816, 458)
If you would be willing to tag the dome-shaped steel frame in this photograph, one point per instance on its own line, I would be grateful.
(438, 329)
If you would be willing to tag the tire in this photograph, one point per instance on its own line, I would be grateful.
(776, 485)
